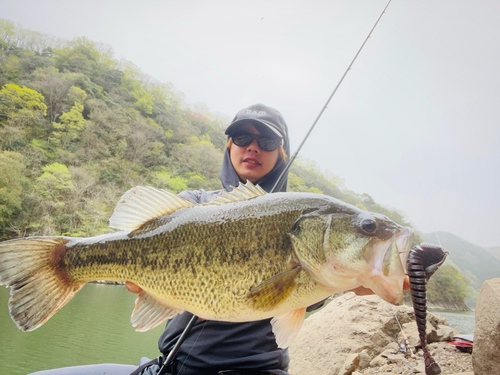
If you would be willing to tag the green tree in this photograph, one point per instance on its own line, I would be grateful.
(18, 101)
(54, 88)
(71, 122)
(82, 55)
(55, 182)
(177, 184)
(11, 187)
(295, 183)
(199, 156)
(313, 177)
(11, 69)
(7, 31)
(22, 112)
(143, 98)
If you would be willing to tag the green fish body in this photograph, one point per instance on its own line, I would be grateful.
(245, 256)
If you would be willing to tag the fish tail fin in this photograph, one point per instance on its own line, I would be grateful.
(39, 287)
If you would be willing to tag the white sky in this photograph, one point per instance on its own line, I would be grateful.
(415, 123)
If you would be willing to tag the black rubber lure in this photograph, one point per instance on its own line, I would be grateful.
(423, 261)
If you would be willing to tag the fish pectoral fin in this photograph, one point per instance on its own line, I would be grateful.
(286, 326)
(274, 290)
(149, 312)
(142, 204)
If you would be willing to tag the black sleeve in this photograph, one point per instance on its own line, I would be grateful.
(316, 306)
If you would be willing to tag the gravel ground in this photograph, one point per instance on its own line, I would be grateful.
(450, 359)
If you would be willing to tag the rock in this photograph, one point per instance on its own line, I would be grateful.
(486, 353)
(450, 362)
(395, 358)
(436, 330)
(386, 368)
(445, 333)
(411, 331)
(348, 324)
(391, 347)
(352, 324)
(351, 363)
(419, 368)
(364, 360)
(378, 361)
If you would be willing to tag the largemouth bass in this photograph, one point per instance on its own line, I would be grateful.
(245, 256)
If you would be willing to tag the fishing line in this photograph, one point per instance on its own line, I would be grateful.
(287, 167)
(430, 216)
(171, 355)
(192, 347)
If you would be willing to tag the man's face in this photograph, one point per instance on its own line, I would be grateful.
(251, 162)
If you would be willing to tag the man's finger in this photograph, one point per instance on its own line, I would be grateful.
(134, 288)
(406, 283)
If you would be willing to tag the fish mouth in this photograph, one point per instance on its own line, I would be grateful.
(387, 266)
(403, 240)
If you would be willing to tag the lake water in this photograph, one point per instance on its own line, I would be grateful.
(464, 321)
(94, 327)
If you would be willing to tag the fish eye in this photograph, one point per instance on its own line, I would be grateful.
(369, 226)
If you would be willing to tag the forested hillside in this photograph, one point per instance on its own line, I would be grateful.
(79, 127)
(473, 261)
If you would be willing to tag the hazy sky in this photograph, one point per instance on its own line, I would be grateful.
(415, 123)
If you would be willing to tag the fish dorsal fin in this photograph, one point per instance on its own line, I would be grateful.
(143, 203)
(240, 193)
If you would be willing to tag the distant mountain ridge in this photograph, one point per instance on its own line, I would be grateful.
(474, 262)
(495, 251)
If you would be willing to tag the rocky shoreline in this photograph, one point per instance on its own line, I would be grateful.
(457, 306)
(360, 335)
(439, 305)
(451, 361)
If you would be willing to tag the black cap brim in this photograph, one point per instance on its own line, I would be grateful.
(232, 128)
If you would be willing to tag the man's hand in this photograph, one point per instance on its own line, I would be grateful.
(406, 283)
(134, 288)
(362, 291)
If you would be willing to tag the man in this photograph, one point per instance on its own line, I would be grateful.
(256, 151)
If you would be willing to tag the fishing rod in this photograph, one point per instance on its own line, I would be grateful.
(276, 186)
(405, 338)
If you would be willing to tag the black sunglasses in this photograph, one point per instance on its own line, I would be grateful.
(244, 139)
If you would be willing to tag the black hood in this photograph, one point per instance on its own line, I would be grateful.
(228, 175)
